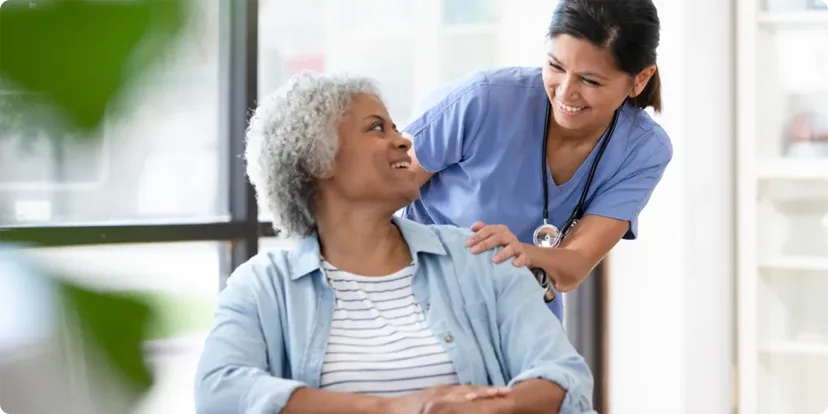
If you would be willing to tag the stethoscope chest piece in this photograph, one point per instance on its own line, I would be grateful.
(547, 235)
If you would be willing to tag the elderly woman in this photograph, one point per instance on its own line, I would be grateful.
(372, 313)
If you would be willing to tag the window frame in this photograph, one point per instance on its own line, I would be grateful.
(238, 82)
(238, 60)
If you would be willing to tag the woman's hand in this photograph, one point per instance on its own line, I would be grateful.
(480, 406)
(434, 400)
(488, 237)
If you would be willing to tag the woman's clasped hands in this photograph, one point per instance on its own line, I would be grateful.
(453, 399)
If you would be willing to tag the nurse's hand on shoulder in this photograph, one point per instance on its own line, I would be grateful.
(489, 236)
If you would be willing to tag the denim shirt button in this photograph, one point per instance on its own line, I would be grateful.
(448, 338)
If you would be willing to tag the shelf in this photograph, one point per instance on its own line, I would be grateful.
(793, 169)
(793, 348)
(796, 263)
(805, 17)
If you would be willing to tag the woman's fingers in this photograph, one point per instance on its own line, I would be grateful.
(488, 393)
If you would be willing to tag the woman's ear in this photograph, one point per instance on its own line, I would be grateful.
(641, 79)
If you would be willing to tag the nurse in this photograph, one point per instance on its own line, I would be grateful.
(502, 150)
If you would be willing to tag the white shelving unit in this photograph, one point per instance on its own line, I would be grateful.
(782, 202)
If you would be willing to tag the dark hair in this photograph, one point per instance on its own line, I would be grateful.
(629, 29)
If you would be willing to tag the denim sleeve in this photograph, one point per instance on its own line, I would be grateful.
(533, 342)
(233, 374)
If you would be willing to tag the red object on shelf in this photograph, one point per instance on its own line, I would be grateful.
(301, 63)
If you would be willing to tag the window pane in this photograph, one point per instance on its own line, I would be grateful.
(179, 279)
(159, 160)
(410, 47)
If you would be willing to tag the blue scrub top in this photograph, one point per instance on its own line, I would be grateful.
(481, 137)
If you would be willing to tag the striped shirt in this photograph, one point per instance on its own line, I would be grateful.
(379, 341)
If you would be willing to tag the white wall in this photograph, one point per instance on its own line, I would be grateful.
(671, 292)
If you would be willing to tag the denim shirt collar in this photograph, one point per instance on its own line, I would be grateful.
(305, 258)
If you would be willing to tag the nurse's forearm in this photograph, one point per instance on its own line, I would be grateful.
(567, 268)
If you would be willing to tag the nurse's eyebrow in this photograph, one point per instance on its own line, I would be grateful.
(582, 74)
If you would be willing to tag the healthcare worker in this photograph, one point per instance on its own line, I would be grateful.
(568, 144)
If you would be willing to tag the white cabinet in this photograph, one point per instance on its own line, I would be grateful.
(782, 201)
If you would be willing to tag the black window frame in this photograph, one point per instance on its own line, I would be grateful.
(238, 83)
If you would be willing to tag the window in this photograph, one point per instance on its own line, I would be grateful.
(133, 171)
(156, 206)
(409, 47)
(179, 279)
(160, 206)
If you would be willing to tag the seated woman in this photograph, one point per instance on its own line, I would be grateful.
(372, 313)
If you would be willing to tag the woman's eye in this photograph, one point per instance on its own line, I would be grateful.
(378, 128)
(556, 67)
(591, 82)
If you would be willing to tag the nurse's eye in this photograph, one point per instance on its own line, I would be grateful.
(378, 127)
(590, 82)
(556, 67)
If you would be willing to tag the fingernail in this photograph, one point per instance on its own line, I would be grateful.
(470, 396)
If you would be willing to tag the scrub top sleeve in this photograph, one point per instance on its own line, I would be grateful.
(451, 118)
(629, 191)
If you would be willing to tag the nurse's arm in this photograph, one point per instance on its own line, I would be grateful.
(583, 248)
(421, 175)
(609, 216)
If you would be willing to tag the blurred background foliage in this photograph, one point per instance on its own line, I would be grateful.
(65, 66)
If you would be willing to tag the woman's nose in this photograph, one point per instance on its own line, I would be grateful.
(403, 141)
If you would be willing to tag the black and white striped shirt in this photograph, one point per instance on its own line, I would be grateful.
(379, 341)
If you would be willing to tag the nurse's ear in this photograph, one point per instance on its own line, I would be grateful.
(641, 79)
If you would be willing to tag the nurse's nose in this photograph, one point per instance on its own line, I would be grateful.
(569, 89)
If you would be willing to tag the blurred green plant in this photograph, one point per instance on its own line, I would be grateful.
(79, 55)
(65, 65)
(112, 326)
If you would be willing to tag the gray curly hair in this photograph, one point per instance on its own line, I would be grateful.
(291, 143)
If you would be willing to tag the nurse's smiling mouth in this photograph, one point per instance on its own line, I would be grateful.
(569, 109)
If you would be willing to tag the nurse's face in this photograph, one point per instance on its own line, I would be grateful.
(372, 164)
(583, 83)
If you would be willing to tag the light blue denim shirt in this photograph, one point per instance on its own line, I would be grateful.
(273, 320)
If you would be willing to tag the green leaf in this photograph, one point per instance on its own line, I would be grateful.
(80, 54)
(114, 325)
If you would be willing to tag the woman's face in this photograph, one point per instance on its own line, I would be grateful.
(372, 164)
(583, 83)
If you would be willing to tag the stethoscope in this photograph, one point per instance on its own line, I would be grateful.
(548, 235)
